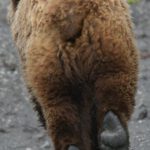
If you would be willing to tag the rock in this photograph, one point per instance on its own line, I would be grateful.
(3, 131)
(28, 148)
(145, 55)
(142, 112)
(46, 145)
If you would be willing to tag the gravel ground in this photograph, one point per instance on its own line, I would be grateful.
(19, 128)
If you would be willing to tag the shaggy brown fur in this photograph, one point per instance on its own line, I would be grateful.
(78, 58)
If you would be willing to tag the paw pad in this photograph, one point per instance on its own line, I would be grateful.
(113, 135)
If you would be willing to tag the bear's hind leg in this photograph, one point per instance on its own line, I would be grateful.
(115, 101)
(63, 125)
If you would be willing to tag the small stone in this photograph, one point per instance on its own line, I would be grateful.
(142, 112)
(46, 145)
(40, 136)
(28, 148)
(3, 131)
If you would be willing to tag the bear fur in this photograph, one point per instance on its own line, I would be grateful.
(79, 61)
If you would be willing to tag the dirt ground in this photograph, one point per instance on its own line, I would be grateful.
(19, 128)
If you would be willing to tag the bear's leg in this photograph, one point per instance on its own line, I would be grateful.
(115, 101)
(63, 125)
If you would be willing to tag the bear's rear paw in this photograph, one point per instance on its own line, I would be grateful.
(113, 135)
(72, 147)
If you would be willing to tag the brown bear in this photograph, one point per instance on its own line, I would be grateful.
(80, 64)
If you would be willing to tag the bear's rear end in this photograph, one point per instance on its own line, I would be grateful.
(79, 62)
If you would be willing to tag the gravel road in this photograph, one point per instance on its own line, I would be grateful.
(19, 128)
